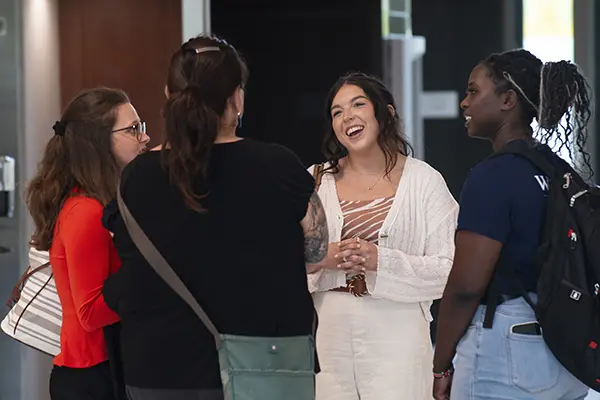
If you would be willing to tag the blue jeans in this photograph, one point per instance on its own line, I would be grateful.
(496, 364)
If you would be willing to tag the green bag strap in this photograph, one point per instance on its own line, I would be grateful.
(318, 175)
(161, 266)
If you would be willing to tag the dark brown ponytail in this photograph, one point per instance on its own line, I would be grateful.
(203, 75)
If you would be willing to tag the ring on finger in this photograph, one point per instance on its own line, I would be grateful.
(345, 260)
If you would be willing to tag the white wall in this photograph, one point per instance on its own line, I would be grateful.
(40, 109)
(195, 18)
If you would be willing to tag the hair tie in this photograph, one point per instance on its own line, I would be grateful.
(509, 78)
(59, 128)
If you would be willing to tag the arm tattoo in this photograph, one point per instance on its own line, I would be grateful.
(316, 237)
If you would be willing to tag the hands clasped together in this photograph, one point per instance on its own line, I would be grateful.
(353, 255)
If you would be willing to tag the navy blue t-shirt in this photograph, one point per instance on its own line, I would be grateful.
(504, 198)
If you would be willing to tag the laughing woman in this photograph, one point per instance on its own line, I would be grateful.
(392, 220)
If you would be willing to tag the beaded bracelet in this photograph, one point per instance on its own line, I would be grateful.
(445, 374)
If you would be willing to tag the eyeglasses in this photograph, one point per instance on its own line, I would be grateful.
(138, 130)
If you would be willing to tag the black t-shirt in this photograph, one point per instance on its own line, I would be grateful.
(243, 260)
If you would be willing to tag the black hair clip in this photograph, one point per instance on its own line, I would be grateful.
(59, 128)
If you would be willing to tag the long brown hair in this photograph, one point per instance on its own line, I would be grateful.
(203, 75)
(79, 155)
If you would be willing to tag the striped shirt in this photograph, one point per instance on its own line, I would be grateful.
(364, 218)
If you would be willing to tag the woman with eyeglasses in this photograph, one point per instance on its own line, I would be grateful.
(98, 134)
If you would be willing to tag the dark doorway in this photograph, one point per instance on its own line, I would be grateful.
(295, 52)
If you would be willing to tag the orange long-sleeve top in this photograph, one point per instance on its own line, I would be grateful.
(82, 256)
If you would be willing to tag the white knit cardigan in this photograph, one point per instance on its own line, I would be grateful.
(416, 241)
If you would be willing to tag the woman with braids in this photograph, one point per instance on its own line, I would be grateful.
(97, 135)
(391, 222)
(501, 217)
(236, 219)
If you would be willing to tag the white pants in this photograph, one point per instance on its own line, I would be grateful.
(372, 349)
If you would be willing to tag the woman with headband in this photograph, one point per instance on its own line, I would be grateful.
(502, 212)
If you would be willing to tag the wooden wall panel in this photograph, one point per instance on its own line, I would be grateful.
(120, 43)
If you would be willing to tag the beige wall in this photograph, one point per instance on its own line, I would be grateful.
(40, 108)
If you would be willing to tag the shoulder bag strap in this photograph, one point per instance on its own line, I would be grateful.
(318, 174)
(16, 292)
(162, 268)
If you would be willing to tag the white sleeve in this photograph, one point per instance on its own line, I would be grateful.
(417, 278)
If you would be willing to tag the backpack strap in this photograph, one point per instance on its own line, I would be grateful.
(535, 155)
(318, 175)
(532, 152)
(493, 292)
(493, 298)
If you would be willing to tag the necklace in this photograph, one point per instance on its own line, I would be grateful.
(360, 173)
(372, 186)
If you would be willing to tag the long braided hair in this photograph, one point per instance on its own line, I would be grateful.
(556, 94)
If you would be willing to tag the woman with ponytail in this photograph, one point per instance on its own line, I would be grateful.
(502, 212)
(229, 215)
(97, 135)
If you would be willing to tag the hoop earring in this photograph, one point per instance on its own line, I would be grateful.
(239, 117)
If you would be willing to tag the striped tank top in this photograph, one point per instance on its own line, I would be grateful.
(364, 218)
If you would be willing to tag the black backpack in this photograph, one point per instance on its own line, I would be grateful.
(568, 262)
